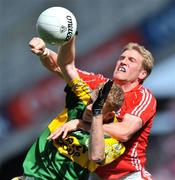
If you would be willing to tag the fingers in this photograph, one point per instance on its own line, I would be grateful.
(36, 51)
(60, 131)
(65, 132)
(37, 45)
(55, 134)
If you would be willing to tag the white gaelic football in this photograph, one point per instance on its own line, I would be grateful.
(56, 25)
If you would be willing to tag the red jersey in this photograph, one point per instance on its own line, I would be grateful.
(139, 102)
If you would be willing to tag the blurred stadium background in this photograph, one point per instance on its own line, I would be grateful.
(30, 96)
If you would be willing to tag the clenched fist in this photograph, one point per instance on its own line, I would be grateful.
(47, 57)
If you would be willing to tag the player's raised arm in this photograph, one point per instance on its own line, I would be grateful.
(66, 60)
(47, 57)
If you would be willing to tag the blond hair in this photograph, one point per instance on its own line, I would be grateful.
(148, 59)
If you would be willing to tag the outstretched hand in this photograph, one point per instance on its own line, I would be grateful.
(64, 129)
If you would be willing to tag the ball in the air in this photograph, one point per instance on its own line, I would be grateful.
(56, 25)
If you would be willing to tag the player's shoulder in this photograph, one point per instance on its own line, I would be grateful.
(145, 92)
(92, 79)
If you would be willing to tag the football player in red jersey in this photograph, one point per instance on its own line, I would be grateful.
(135, 116)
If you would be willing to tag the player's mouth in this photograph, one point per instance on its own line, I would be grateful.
(121, 69)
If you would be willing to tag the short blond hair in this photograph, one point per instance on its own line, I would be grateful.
(148, 59)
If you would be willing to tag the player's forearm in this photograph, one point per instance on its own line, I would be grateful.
(65, 60)
(96, 142)
(49, 60)
(66, 53)
(124, 130)
(116, 131)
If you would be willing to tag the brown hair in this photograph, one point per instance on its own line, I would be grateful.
(148, 59)
(115, 98)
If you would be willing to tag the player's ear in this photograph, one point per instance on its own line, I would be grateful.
(143, 74)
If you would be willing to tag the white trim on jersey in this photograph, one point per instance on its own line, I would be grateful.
(135, 161)
(146, 175)
(144, 103)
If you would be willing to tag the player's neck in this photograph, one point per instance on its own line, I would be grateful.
(127, 86)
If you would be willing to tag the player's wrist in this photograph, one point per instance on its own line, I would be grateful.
(96, 112)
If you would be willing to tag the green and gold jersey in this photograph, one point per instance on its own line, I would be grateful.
(67, 159)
